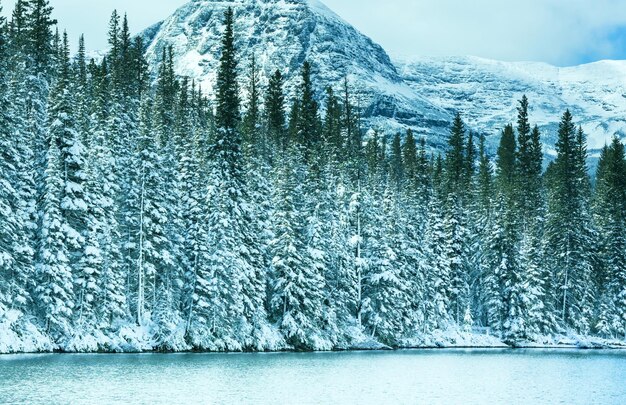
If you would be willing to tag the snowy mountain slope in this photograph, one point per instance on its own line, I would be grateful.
(282, 34)
(487, 91)
(422, 93)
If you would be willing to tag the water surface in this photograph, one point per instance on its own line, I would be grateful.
(401, 377)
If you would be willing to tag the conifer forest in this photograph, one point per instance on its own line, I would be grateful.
(141, 212)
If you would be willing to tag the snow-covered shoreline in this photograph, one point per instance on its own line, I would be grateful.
(135, 340)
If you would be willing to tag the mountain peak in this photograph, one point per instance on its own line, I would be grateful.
(420, 93)
(282, 34)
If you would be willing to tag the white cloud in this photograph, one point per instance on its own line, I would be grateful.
(555, 31)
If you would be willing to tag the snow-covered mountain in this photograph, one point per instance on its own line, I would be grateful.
(487, 91)
(422, 93)
(282, 34)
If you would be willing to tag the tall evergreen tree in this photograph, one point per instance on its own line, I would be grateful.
(227, 113)
(610, 215)
(567, 233)
(54, 289)
(251, 118)
(332, 126)
(39, 23)
(455, 156)
(307, 125)
(275, 110)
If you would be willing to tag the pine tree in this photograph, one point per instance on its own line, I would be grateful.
(228, 220)
(455, 216)
(507, 162)
(340, 276)
(84, 257)
(351, 133)
(227, 113)
(252, 115)
(258, 213)
(54, 289)
(455, 253)
(152, 249)
(275, 110)
(171, 139)
(39, 23)
(396, 167)
(567, 232)
(610, 214)
(123, 120)
(307, 124)
(529, 159)
(387, 289)
(410, 160)
(12, 283)
(485, 177)
(529, 208)
(296, 286)
(470, 161)
(193, 209)
(332, 126)
(438, 269)
(455, 157)
(17, 165)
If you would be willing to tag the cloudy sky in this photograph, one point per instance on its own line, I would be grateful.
(561, 32)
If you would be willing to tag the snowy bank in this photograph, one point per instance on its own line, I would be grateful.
(19, 336)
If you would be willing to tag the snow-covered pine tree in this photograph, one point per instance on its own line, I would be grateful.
(511, 277)
(454, 220)
(275, 111)
(83, 202)
(19, 164)
(54, 291)
(388, 289)
(13, 282)
(258, 212)
(35, 39)
(455, 255)
(568, 236)
(171, 138)
(482, 211)
(332, 125)
(412, 205)
(125, 72)
(437, 312)
(455, 162)
(193, 171)
(103, 187)
(530, 210)
(307, 125)
(297, 287)
(228, 223)
(610, 216)
(31, 36)
(340, 276)
(529, 165)
(152, 247)
(84, 257)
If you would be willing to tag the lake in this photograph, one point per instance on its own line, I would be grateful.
(400, 377)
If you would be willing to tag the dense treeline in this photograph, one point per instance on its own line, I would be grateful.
(132, 207)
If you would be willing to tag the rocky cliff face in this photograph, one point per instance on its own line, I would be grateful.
(282, 34)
